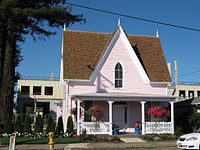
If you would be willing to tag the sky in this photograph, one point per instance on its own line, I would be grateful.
(40, 58)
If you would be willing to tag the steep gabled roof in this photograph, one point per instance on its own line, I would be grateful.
(83, 50)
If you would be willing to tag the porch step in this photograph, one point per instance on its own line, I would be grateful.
(131, 140)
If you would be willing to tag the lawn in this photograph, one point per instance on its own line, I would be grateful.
(41, 140)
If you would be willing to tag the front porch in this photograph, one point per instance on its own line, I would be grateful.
(123, 112)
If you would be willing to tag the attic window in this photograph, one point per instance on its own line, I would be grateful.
(118, 76)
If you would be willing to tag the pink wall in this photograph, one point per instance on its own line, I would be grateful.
(133, 81)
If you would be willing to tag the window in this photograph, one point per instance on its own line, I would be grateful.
(190, 94)
(182, 94)
(198, 93)
(25, 90)
(48, 90)
(36, 90)
(118, 76)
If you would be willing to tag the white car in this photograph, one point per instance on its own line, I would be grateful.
(189, 141)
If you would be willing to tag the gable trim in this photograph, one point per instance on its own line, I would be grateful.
(105, 55)
(134, 57)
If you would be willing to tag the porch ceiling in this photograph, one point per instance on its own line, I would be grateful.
(123, 97)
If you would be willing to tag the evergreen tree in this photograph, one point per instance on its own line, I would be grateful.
(27, 124)
(70, 125)
(18, 125)
(50, 124)
(194, 119)
(8, 128)
(59, 127)
(39, 124)
(17, 19)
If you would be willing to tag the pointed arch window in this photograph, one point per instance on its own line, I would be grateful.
(118, 76)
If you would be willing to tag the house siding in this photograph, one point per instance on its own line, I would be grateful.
(134, 82)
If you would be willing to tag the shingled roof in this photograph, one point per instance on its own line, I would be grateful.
(83, 50)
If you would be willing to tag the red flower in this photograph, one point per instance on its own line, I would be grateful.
(158, 111)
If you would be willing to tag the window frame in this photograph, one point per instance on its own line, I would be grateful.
(35, 93)
(46, 90)
(26, 92)
(119, 78)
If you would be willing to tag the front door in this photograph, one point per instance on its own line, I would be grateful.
(120, 116)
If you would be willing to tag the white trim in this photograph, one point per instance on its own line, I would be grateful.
(61, 62)
(134, 57)
(105, 54)
(123, 70)
(122, 95)
(143, 116)
(159, 83)
(78, 80)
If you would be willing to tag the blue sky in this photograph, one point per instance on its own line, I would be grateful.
(43, 57)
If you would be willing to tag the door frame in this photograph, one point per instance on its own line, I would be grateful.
(126, 125)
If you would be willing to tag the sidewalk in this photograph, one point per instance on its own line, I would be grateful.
(92, 145)
(120, 145)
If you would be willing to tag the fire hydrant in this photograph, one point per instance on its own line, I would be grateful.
(51, 141)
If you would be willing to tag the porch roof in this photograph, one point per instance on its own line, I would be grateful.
(123, 97)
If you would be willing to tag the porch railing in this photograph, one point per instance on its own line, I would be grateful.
(96, 127)
(158, 127)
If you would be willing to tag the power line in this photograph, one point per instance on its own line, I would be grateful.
(186, 74)
(137, 18)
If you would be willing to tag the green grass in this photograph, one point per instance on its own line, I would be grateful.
(42, 140)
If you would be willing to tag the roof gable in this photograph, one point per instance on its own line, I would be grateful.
(82, 52)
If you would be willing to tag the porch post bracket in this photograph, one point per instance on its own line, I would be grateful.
(143, 116)
(172, 116)
(110, 116)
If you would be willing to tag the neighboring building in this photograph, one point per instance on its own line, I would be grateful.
(186, 90)
(124, 74)
(39, 95)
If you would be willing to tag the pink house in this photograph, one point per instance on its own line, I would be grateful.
(124, 74)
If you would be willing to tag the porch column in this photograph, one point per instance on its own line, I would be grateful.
(110, 116)
(78, 117)
(172, 116)
(143, 117)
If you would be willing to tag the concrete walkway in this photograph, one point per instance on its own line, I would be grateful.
(92, 145)
(119, 145)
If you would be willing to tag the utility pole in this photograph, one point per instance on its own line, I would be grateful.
(176, 72)
(35, 108)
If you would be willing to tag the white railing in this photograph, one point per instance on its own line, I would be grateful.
(158, 127)
(96, 127)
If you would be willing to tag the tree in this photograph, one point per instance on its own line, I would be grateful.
(17, 19)
(194, 119)
(59, 127)
(39, 124)
(8, 127)
(50, 124)
(18, 125)
(27, 124)
(70, 125)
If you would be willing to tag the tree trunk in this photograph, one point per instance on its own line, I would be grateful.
(7, 85)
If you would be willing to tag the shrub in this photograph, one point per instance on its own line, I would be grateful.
(39, 124)
(50, 124)
(8, 128)
(194, 119)
(178, 131)
(96, 112)
(70, 125)
(59, 127)
(27, 124)
(18, 125)
(161, 137)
